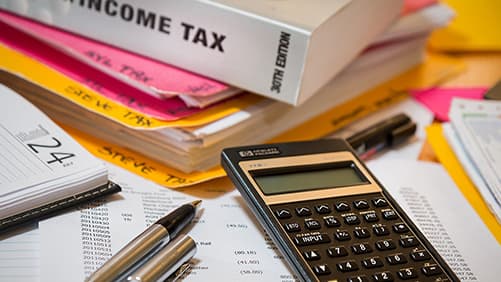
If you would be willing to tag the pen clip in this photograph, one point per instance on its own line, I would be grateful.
(179, 272)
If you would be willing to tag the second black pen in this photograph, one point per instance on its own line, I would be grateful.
(389, 132)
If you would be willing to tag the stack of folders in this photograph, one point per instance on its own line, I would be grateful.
(181, 119)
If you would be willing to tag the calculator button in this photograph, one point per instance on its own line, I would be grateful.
(283, 213)
(400, 227)
(337, 251)
(431, 270)
(342, 206)
(383, 276)
(380, 202)
(372, 262)
(342, 235)
(361, 248)
(389, 214)
(360, 278)
(407, 242)
(407, 273)
(381, 230)
(303, 211)
(361, 232)
(311, 255)
(361, 204)
(323, 209)
(370, 216)
(420, 255)
(345, 266)
(396, 259)
(322, 269)
(384, 245)
(311, 239)
(312, 224)
(331, 221)
(351, 219)
(292, 227)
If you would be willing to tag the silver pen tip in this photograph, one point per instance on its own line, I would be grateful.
(196, 203)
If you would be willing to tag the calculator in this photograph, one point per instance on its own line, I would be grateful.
(329, 216)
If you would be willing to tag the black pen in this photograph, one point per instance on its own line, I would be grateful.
(146, 244)
(389, 132)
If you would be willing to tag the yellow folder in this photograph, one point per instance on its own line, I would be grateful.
(474, 28)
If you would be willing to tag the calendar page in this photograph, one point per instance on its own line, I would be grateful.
(38, 158)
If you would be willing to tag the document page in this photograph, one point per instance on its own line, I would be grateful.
(471, 170)
(428, 195)
(20, 255)
(230, 241)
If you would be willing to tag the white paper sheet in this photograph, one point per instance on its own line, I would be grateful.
(230, 242)
(20, 255)
(428, 195)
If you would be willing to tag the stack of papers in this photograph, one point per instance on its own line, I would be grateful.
(475, 136)
(185, 138)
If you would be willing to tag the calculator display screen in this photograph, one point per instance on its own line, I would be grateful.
(308, 179)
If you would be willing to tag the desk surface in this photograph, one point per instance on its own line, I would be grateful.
(482, 69)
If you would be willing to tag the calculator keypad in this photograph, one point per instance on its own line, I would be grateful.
(357, 238)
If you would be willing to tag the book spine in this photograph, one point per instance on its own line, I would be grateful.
(250, 52)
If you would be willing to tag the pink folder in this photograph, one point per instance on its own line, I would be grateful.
(166, 109)
(438, 100)
(153, 77)
(411, 6)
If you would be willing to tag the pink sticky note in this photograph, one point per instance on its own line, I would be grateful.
(166, 109)
(438, 100)
(411, 6)
(156, 77)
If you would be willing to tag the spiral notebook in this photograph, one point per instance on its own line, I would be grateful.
(42, 169)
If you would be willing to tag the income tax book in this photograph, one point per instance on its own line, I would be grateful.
(43, 169)
(285, 50)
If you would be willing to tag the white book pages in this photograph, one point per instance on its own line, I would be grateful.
(418, 22)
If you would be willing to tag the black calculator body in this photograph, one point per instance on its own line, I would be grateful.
(329, 216)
